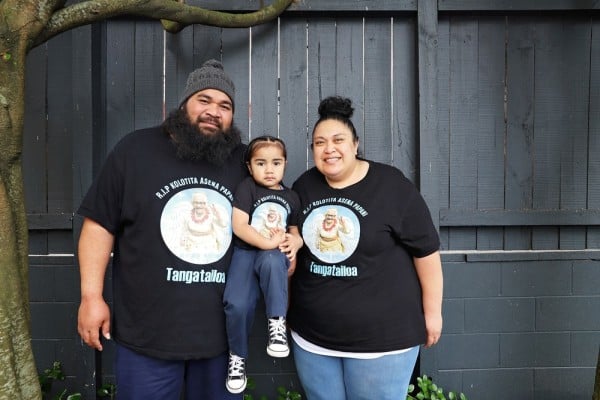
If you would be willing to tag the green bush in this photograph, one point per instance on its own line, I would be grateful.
(55, 373)
(427, 390)
(282, 392)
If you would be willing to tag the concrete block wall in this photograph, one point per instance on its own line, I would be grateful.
(518, 329)
(54, 301)
(514, 328)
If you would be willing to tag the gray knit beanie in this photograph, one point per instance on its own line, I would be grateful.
(209, 76)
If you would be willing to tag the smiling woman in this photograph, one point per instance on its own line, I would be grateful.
(368, 287)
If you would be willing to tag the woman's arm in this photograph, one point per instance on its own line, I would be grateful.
(429, 271)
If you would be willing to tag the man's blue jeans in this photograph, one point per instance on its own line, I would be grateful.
(337, 378)
(250, 272)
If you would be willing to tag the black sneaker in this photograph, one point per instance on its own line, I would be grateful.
(278, 344)
(236, 374)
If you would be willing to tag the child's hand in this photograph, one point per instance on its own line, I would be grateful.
(277, 236)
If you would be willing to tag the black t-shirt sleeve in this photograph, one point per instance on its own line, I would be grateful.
(416, 230)
(244, 195)
(103, 201)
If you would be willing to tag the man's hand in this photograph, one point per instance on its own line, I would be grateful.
(93, 318)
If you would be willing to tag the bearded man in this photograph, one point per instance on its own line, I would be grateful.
(169, 333)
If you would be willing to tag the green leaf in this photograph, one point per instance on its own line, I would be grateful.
(282, 390)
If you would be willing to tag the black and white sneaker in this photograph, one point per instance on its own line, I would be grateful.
(278, 344)
(236, 374)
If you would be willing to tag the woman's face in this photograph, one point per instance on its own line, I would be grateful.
(334, 150)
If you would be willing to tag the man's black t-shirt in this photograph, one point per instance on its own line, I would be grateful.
(172, 224)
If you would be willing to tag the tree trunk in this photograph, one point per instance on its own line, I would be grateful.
(18, 374)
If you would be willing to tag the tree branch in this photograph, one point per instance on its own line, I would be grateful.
(174, 14)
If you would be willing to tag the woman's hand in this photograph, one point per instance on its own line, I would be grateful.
(292, 243)
(433, 324)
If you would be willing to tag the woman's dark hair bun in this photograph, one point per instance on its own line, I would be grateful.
(336, 106)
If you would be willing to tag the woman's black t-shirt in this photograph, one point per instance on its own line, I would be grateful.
(355, 287)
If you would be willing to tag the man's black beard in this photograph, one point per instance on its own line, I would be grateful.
(194, 145)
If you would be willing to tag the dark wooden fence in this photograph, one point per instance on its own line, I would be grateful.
(491, 107)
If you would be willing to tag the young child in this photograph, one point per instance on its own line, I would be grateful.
(264, 220)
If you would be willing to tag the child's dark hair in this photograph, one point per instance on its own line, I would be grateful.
(337, 108)
(262, 141)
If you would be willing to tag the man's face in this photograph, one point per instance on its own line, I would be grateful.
(199, 204)
(210, 110)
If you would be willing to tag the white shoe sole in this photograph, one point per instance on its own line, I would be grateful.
(237, 390)
(278, 354)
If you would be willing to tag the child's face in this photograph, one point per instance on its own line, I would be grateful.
(267, 166)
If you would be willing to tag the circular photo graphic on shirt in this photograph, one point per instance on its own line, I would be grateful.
(331, 233)
(196, 225)
(268, 217)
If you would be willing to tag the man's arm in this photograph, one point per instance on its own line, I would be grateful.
(429, 270)
(95, 247)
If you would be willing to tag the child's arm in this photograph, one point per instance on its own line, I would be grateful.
(243, 230)
(292, 243)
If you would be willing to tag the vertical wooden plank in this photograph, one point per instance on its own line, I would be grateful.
(178, 64)
(34, 131)
(99, 84)
(84, 75)
(350, 68)
(148, 74)
(575, 47)
(206, 45)
(463, 123)
(293, 113)
(549, 126)
(442, 113)
(60, 106)
(185, 52)
(404, 98)
(520, 64)
(490, 126)
(428, 125)
(58, 169)
(264, 82)
(593, 192)
(120, 80)
(377, 135)
(236, 61)
(321, 63)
